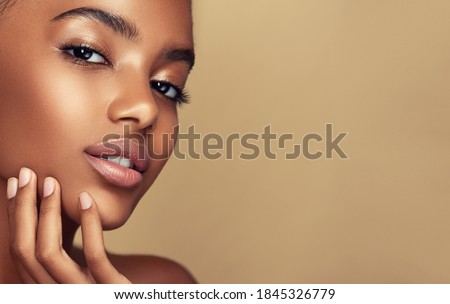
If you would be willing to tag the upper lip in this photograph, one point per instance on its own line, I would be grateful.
(123, 147)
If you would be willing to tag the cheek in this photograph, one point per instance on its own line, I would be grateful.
(40, 113)
(162, 137)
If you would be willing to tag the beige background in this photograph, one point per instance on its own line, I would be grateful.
(379, 70)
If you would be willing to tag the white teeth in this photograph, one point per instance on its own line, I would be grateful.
(124, 162)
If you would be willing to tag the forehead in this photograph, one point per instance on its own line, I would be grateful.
(153, 19)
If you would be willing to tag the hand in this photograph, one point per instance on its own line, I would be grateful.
(36, 242)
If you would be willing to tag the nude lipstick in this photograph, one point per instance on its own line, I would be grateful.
(121, 162)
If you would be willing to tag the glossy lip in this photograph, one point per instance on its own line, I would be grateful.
(114, 173)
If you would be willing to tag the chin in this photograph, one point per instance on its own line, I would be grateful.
(114, 209)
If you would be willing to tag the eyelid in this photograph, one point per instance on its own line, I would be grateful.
(182, 95)
(93, 47)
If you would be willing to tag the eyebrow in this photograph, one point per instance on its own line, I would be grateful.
(126, 29)
(118, 24)
(186, 55)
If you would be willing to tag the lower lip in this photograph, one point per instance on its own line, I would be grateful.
(115, 173)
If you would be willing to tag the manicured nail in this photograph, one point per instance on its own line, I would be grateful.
(11, 189)
(85, 201)
(24, 177)
(49, 186)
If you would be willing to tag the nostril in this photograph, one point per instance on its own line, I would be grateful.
(126, 119)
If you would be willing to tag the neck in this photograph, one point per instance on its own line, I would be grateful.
(7, 271)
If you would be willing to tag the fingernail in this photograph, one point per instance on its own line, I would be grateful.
(24, 177)
(85, 201)
(11, 189)
(49, 186)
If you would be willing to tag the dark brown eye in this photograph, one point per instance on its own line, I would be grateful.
(86, 54)
(170, 91)
(167, 89)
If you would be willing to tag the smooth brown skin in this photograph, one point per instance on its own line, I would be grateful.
(52, 108)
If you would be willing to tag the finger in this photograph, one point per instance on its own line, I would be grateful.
(25, 278)
(94, 250)
(49, 233)
(12, 187)
(49, 251)
(23, 236)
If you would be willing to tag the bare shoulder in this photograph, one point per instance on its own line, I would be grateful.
(145, 269)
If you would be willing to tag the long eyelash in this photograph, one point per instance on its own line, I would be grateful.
(68, 46)
(183, 97)
(182, 94)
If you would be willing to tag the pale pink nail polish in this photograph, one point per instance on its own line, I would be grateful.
(11, 190)
(85, 201)
(24, 177)
(49, 186)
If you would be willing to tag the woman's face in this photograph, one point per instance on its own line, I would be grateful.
(74, 74)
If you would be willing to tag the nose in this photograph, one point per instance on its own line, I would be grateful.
(134, 104)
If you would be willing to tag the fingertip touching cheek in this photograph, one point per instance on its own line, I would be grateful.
(89, 94)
